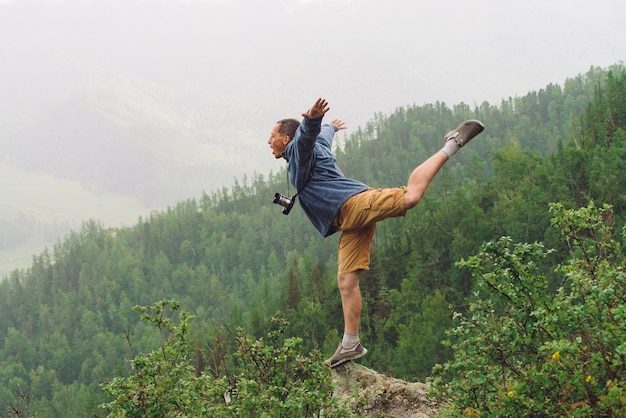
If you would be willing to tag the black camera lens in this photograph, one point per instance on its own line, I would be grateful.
(282, 200)
(285, 202)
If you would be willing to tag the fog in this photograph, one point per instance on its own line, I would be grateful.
(111, 109)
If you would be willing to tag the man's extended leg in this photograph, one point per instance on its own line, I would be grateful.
(423, 175)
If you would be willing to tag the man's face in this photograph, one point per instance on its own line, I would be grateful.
(278, 142)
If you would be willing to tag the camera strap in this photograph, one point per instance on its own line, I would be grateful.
(310, 175)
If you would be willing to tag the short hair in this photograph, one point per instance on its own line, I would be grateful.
(288, 127)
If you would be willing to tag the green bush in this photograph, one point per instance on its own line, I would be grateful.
(273, 380)
(524, 349)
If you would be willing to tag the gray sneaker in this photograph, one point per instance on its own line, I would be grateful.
(464, 132)
(342, 355)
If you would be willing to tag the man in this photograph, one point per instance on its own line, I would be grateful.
(333, 202)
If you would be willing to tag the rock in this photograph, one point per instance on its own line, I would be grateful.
(370, 393)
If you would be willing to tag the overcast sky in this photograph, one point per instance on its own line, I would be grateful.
(365, 56)
(250, 62)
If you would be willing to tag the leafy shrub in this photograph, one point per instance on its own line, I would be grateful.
(522, 349)
(273, 381)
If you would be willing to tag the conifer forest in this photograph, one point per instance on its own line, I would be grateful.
(504, 288)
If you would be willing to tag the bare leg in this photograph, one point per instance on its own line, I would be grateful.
(350, 300)
(348, 283)
(421, 177)
(352, 304)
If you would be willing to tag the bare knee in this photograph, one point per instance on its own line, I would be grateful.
(348, 282)
(411, 199)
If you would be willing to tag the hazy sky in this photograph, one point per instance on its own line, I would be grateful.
(248, 63)
(365, 56)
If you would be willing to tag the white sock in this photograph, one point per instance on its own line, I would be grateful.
(349, 340)
(450, 147)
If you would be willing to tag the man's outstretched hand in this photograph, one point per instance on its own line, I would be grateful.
(338, 123)
(319, 109)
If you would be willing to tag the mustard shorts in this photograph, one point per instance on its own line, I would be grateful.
(357, 219)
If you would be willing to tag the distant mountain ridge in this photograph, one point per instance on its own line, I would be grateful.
(115, 150)
(135, 142)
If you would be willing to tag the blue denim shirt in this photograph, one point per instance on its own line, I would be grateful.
(326, 188)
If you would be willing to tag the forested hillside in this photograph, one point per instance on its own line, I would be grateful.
(232, 258)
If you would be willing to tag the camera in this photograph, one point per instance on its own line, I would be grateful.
(285, 202)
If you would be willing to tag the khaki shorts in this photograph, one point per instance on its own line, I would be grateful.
(357, 219)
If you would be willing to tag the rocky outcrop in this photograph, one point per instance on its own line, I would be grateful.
(370, 393)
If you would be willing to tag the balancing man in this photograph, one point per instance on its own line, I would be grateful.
(333, 202)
